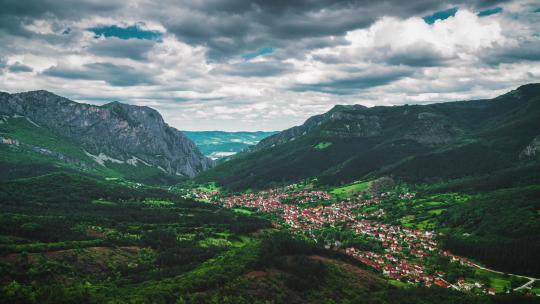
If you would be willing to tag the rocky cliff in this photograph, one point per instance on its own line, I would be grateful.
(115, 132)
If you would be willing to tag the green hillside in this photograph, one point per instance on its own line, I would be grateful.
(416, 143)
(37, 151)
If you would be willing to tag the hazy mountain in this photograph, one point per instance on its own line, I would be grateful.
(413, 142)
(130, 140)
(219, 144)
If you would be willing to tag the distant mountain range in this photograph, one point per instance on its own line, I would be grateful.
(220, 144)
(433, 142)
(42, 132)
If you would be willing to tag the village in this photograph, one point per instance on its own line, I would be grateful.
(405, 251)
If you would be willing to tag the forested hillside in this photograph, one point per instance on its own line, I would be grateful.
(417, 143)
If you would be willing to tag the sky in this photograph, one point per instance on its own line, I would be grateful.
(267, 65)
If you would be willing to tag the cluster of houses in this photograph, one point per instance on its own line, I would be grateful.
(202, 195)
(9, 141)
(401, 245)
(274, 200)
(399, 268)
(404, 250)
(406, 195)
(457, 259)
(313, 218)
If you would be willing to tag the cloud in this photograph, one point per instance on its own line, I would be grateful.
(135, 49)
(253, 69)
(234, 64)
(417, 58)
(356, 81)
(14, 14)
(232, 28)
(528, 50)
(18, 67)
(414, 43)
(422, 54)
(227, 28)
(115, 75)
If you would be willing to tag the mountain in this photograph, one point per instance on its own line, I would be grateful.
(220, 144)
(415, 143)
(39, 128)
(70, 237)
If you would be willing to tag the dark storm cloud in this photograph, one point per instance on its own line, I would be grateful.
(418, 55)
(135, 49)
(14, 14)
(253, 69)
(231, 28)
(356, 81)
(115, 75)
(18, 67)
(526, 51)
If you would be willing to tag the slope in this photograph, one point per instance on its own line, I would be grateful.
(414, 143)
(43, 131)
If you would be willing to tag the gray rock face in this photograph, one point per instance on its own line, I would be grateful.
(532, 150)
(116, 130)
(432, 129)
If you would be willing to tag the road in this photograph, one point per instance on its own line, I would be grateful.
(526, 285)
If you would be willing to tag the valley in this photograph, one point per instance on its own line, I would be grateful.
(405, 204)
(270, 152)
(361, 226)
(219, 144)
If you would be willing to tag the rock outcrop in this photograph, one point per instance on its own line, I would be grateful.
(122, 132)
(532, 150)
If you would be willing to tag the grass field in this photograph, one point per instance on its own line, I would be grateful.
(398, 284)
(496, 280)
(351, 189)
(536, 287)
(243, 211)
(28, 133)
(323, 145)
(208, 187)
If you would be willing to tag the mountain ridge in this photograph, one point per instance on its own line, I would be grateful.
(114, 132)
(410, 141)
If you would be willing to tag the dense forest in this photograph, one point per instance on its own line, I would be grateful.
(498, 228)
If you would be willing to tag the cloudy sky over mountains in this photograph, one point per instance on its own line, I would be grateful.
(267, 65)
